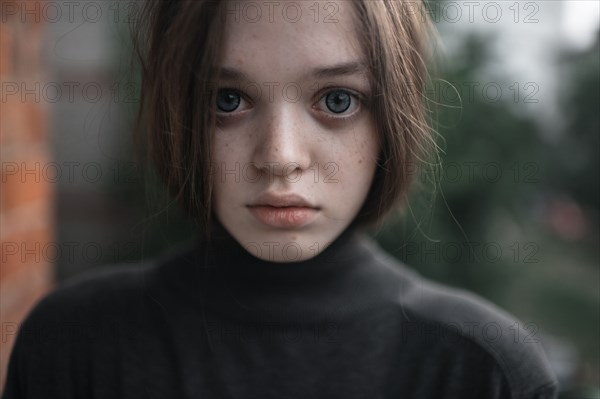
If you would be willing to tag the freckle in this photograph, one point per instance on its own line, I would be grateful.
(360, 161)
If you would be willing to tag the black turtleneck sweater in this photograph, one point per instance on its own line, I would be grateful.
(215, 322)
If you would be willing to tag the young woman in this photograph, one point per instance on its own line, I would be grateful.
(284, 128)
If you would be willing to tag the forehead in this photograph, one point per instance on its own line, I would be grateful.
(287, 37)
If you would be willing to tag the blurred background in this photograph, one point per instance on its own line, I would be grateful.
(512, 212)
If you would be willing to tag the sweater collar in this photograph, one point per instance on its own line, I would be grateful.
(237, 264)
(227, 281)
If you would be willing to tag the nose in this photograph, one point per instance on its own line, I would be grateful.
(282, 146)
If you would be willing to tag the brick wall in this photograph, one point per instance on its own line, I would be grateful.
(26, 197)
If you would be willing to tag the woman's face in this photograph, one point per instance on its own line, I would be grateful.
(295, 146)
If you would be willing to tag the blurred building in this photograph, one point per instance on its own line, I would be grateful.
(26, 197)
(59, 114)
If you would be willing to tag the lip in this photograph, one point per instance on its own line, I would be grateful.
(282, 200)
(283, 211)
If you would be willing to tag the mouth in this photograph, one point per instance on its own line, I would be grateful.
(284, 217)
(283, 201)
(283, 211)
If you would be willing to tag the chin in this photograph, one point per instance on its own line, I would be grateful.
(283, 246)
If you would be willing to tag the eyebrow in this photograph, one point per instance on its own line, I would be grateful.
(228, 73)
(343, 69)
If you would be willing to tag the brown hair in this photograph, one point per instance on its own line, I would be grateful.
(178, 43)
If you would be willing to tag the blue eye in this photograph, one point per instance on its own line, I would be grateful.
(228, 100)
(338, 101)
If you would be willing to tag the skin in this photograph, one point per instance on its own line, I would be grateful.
(289, 141)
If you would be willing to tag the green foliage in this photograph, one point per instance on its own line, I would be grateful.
(493, 233)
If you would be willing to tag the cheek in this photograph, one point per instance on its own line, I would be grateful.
(222, 144)
(228, 154)
(357, 166)
(230, 158)
(222, 159)
(361, 157)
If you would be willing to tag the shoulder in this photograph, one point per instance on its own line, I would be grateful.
(80, 311)
(514, 345)
(83, 325)
(104, 287)
(109, 294)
